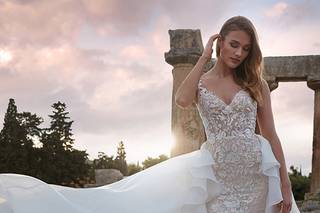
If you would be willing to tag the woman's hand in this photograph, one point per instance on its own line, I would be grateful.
(207, 52)
(287, 198)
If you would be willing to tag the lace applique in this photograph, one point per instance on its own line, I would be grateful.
(238, 167)
(236, 150)
(221, 120)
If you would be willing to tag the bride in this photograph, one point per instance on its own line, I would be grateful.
(235, 170)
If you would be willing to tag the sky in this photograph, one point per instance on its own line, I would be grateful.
(105, 60)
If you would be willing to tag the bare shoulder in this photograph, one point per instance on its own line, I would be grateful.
(208, 79)
(205, 76)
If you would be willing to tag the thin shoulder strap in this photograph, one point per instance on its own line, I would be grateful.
(200, 84)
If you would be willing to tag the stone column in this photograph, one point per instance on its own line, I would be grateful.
(315, 176)
(186, 125)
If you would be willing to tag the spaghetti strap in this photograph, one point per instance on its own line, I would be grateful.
(200, 84)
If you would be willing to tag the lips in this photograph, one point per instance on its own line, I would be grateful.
(234, 60)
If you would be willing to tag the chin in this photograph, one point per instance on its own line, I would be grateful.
(233, 66)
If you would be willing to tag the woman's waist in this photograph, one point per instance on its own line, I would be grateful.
(240, 144)
(248, 135)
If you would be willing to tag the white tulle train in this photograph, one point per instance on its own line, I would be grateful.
(181, 184)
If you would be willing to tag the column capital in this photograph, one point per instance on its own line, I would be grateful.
(273, 85)
(271, 80)
(313, 84)
(185, 46)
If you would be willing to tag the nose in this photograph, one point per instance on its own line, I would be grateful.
(238, 52)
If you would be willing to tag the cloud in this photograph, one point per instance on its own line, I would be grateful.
(136, 52)
(38, 22)
(291, 41)
(118, 18)
(208, 12)
(292, 14)
(277, 10)
(105, 60)
(94, 83)
(55, 22)
(316, 44)
(5, 57)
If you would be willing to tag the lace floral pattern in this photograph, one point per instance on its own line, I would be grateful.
(235, 149)
(221, 120)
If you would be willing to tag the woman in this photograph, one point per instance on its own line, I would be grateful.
(238, 69)
(234, 171)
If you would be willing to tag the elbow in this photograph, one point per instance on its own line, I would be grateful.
(181, 103)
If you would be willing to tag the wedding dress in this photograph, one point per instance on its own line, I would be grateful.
(234, 171)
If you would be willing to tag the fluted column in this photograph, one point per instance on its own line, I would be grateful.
(315, 176)
(185, 49)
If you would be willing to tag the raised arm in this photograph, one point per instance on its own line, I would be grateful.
(267, 128)
(187, 91)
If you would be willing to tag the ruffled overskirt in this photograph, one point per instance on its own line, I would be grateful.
(182, 184)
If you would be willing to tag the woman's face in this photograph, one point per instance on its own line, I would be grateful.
(235, 48)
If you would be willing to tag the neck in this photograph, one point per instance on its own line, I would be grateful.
(221, 70)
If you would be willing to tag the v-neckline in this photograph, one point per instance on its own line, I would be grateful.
(219, 98)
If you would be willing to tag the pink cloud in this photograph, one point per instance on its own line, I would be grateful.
(136, 52)
(38, 22)
(122, 86)
(277, 9)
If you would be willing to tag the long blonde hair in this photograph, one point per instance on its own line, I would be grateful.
(249, 73)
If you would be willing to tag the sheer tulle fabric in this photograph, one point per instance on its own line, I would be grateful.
(182, 184)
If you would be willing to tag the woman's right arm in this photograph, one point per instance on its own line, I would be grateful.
(186, 93)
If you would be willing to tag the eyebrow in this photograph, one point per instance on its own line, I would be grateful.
(239, 42)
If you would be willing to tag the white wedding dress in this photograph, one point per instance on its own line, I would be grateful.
(234, 171)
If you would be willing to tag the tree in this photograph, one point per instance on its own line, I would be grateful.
(17, 154)
(61, 163)
(120, 160)
(104, 161)
(153, 161)
(300, 184)
(78, 168)
(61, 125)
(134, 168)
(30, 122)
(56, 161)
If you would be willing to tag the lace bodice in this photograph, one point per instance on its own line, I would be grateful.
(230, 130)
(223, 120)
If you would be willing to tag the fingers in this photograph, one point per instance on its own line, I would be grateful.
(207, 53)
(211, 40)
(214, 37)
(286, 207)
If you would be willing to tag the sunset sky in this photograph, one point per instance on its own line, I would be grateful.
(105, 60)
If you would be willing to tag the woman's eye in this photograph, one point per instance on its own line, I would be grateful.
(233, 45)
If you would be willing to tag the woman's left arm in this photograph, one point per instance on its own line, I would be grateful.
(267, 129)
